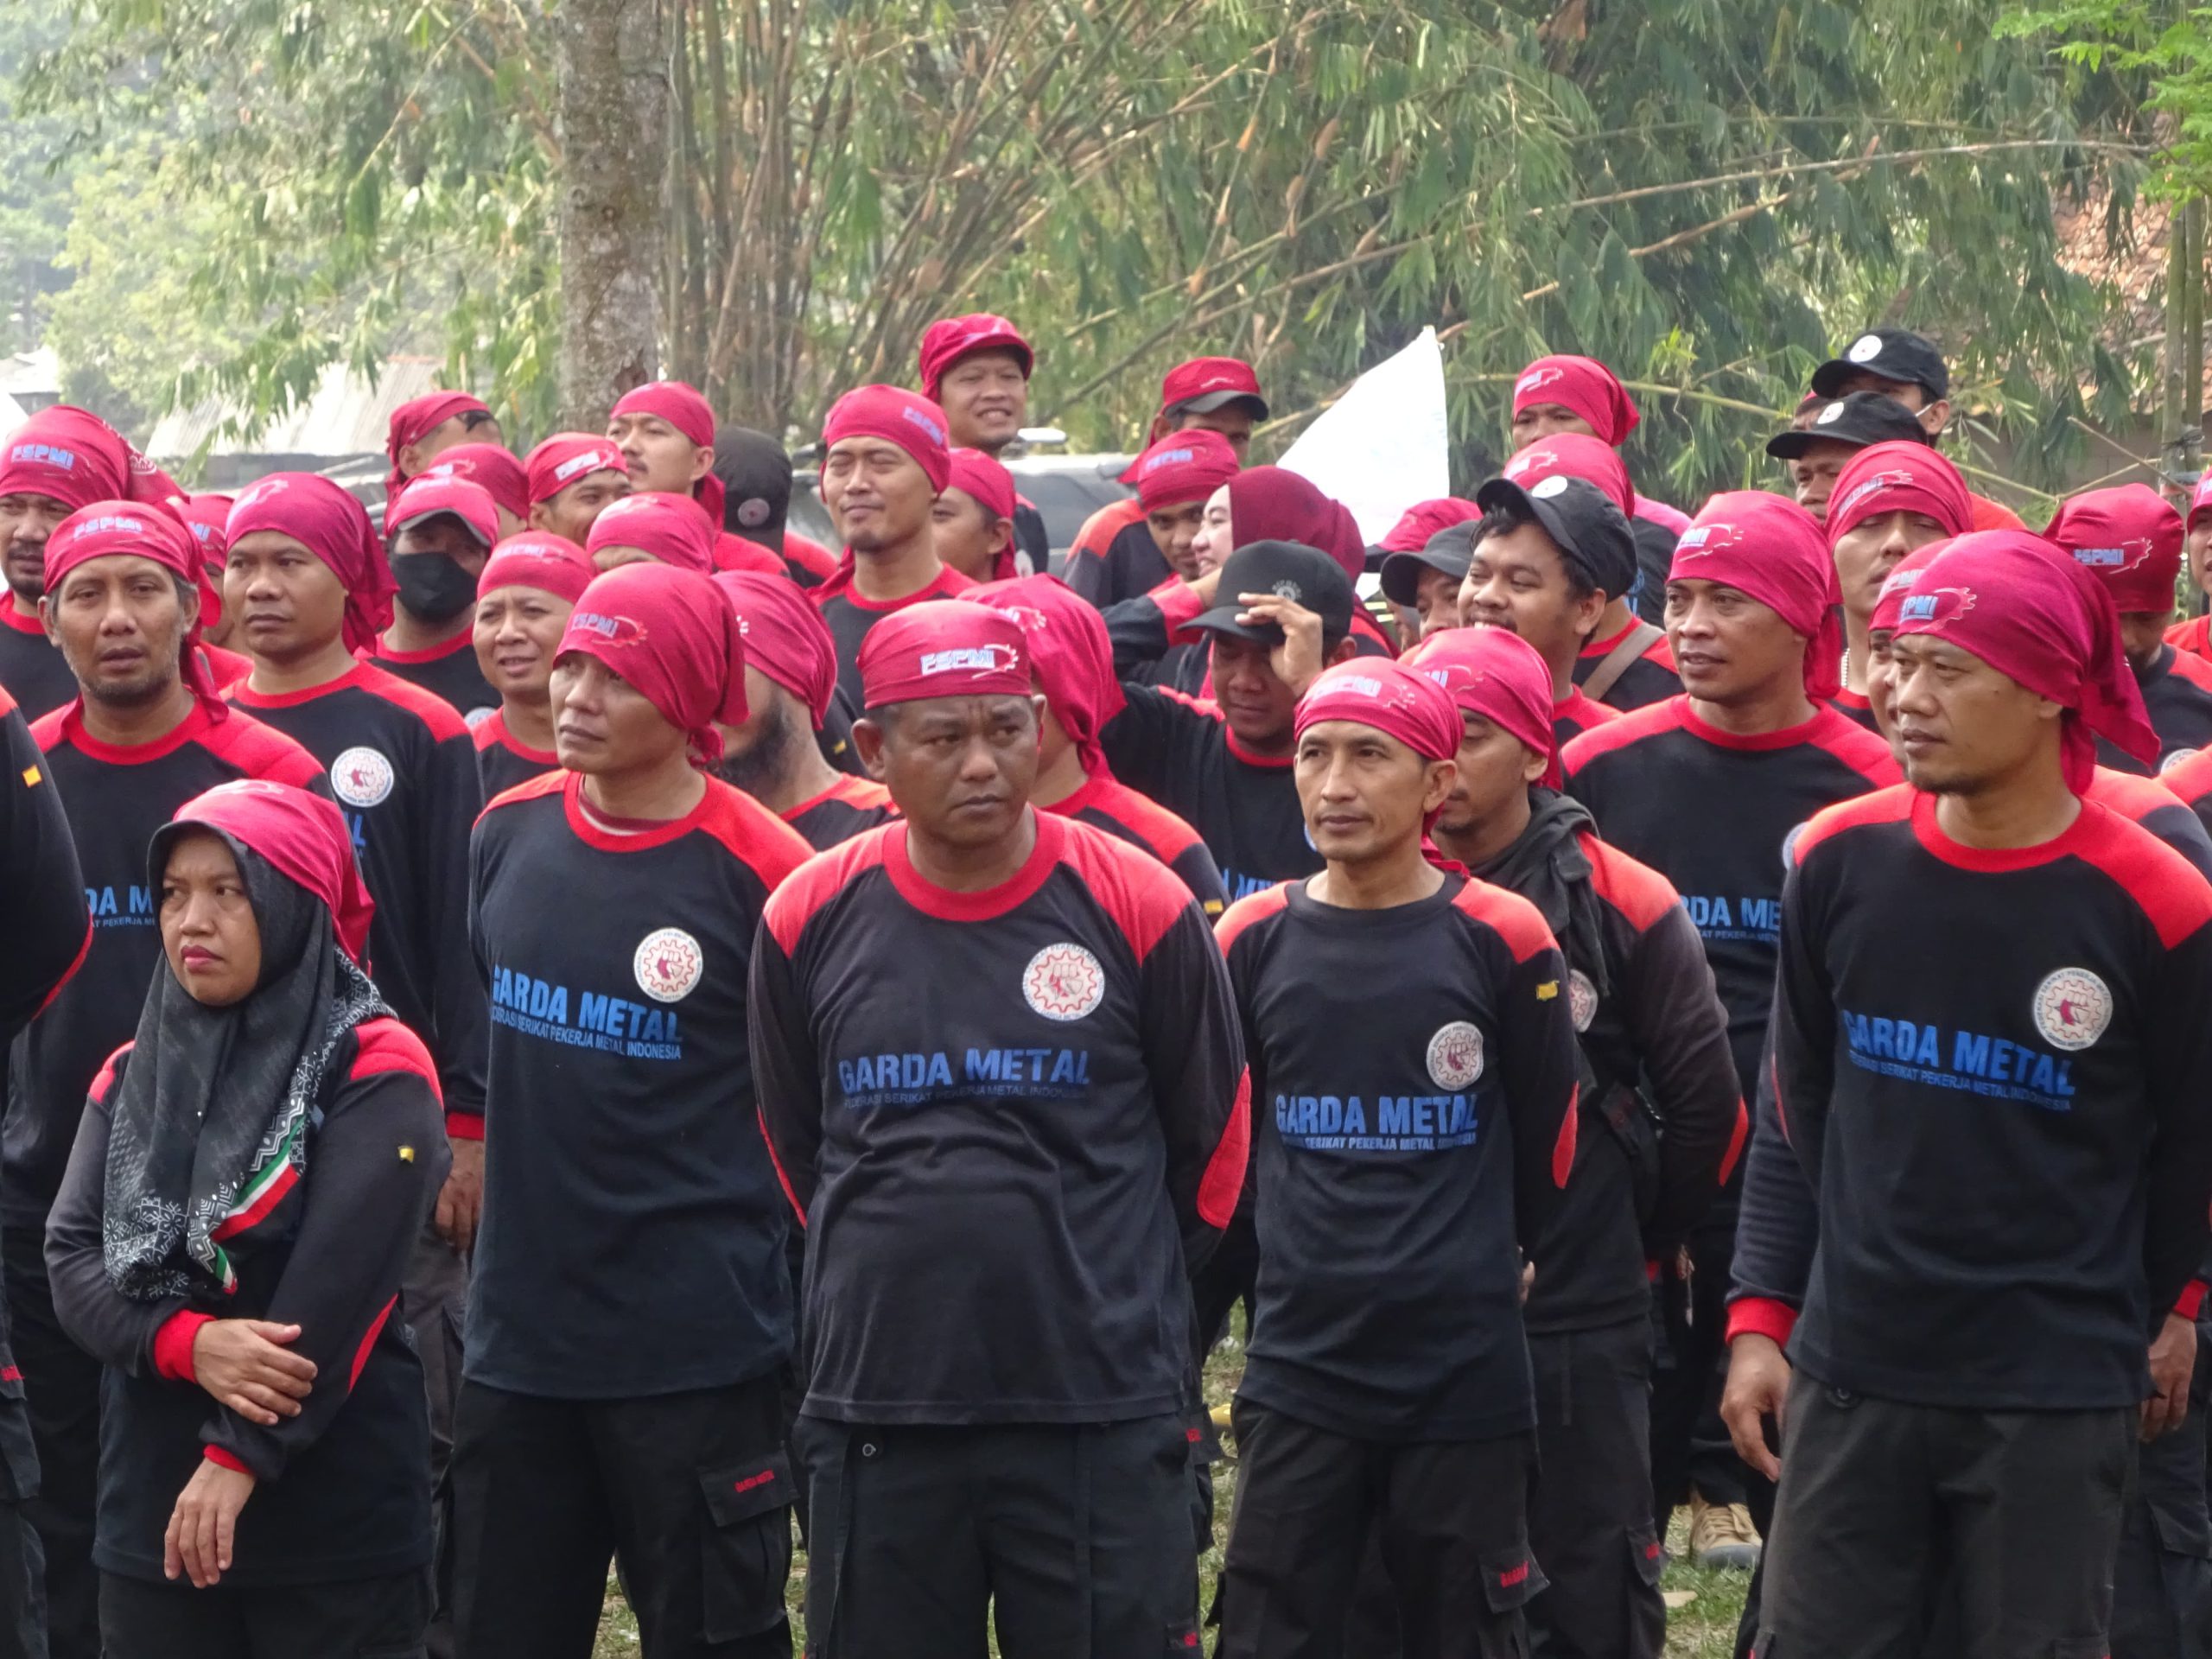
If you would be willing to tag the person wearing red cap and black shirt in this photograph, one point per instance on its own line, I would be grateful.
(977, 369)
(206, 516)
(145, 733)
(59, 460)
(1544, 563)
(529, 585)
(442, 531)
(1425, 559)
(971, 526)
(2195, 635)
(791, 683)
(2030, 1109)
(631, 1314)
(571, 479)
(886, 463)
(1068, 1081)
(46, 932)
(1130, 547)
(1818, 452)
(1889, 501)
(423, 428)
(494, 468)
(1625, 663)
(1662, 1125)
(756, 477)
(1073, 664)
(1705, 789)
(1907, 369)
(250, 1175)
(2130, 538)
(308, 580)
(1223, 766)
(1414, 1078)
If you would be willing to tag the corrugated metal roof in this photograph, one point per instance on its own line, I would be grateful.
(346, 415)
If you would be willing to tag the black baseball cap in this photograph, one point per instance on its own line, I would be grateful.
(1304, 575)
(1863, 419)
(1451, 549)
(1895, 354)
(1593, 533)
(756, 479)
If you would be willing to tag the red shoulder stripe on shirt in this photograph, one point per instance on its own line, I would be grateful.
(382, 1046)
(2173, 896)
(1563, 1148)
(1165, 835)
(84, 949)
(106, 1080)
(549, 783)
(1223, 1181)
(2188, 665)
(45, 730)
(767, 846)
(433, 710)
(2192, 779)
(2191, 636)
(7, 702)
(1639, 892)
(1099, 532)
(1651, 720)
(1143, 896)
(369, 1341)
(2134, 798)
(1737, 1136)
(1891, 805)
(793, 904)
(260, 751)
(1510, 916)
(1248, 910)
(1863, 751)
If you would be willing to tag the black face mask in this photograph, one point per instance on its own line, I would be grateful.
(432, 587)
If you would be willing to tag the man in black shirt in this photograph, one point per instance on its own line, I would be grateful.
(1891, 500)
(1818, 451)
(1031, 1140)
(59, 460)
(1661, 1126)
(1976, 1317)
(631, 1314)
(1413, 1065)
(977, 369)
(443, 529)
(1224, 766)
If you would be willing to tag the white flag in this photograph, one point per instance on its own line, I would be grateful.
(1382, 446)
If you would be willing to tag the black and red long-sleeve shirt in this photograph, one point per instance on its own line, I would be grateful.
(1049, 1123)
(1414, 1092)
(45, 931)
(1106, 803)
(2177, 696)
(1710, 811)
(1575, 713)
(448, 673)
(1650, 678)
(33, 670)
(115, 798)
(632, 1240)
(1654, 1046)
(1115, 557)
(1993, 1065)
(343, 1489)
(402, 766)
(850, 617)
(503, 759)
(848, 808)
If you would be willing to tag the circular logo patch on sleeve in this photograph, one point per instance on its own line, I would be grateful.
(361, 777)
(668, 964)
(2072, 1008)
(1064, 981)
(1581, 999)
(476, 717)
(2168, 762)
(1455, 1055)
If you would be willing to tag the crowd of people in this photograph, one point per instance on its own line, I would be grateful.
(577, 1027)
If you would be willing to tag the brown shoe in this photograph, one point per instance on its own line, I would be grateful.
(1722, 1537)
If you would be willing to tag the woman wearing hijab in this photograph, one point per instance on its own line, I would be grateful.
(249, 1181)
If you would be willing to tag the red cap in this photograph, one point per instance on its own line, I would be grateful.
(981, 476)
(1904, 577)
(945, 342)
(1390, 697)
(2201, 498)
(552, 564)
(785, 637)
(1424, 519)
(564, 458)
(1575, 454)
(1773, 551)
(1269, 504)
(673, 529)
(683, 407)
(2129, 538)
(427, 495)
(672, 635)
(303, 835)
(416, 419)
(1583, 386)
(206, 516)
(943, 648)
(70, 454)
(331, 524)
(1207, 382)
(898, 417)
(2038, 617)
(1898, 477)
(1069, 651)
(1499, 676)
(1187, 466)
(491, 468)
(146, 531)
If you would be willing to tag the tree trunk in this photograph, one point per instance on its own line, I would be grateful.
(613, 70)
